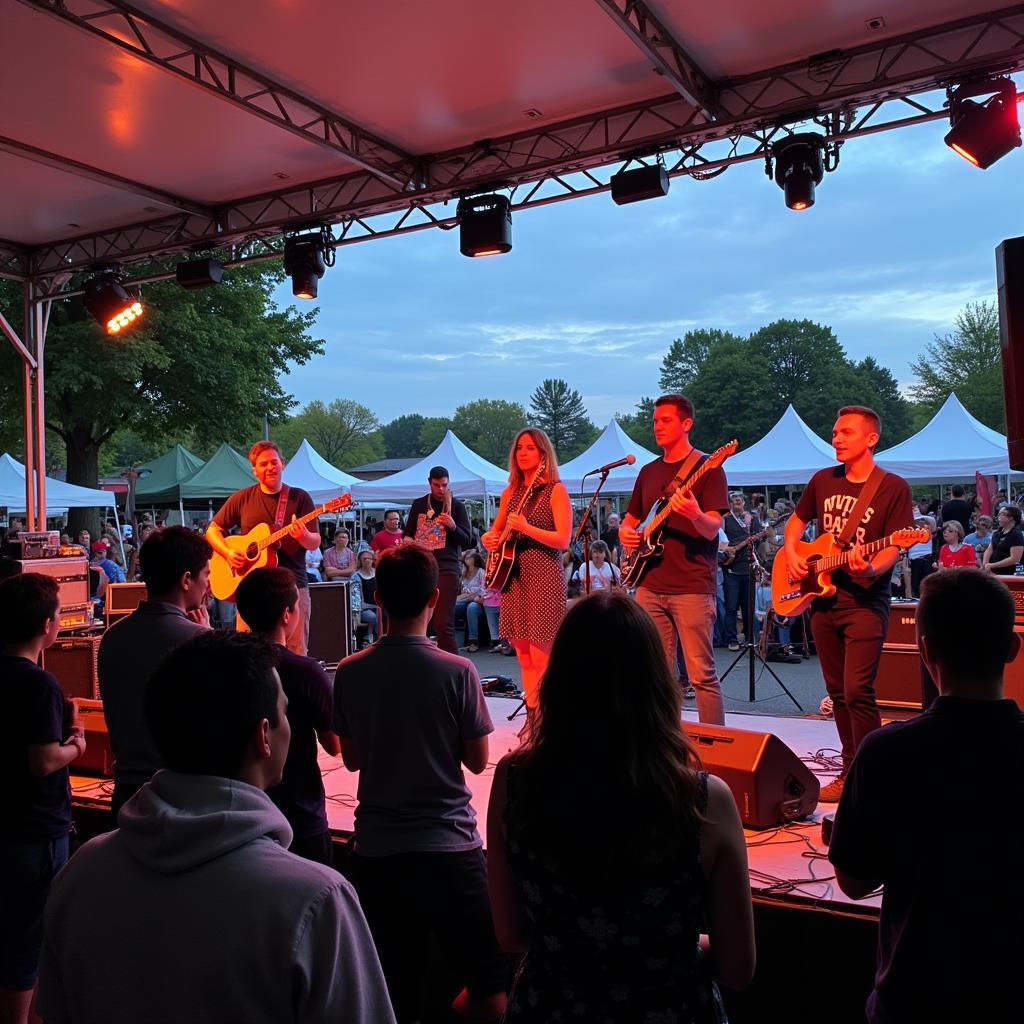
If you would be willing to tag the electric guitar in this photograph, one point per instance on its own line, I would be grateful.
(791, 596)
(726, 558)
(635, 564)
(258, 546)
(501, 561)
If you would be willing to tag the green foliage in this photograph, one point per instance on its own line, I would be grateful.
(969, 362)
(402, 437)
(685, 357)
(344, 432)
(488, 426)
(895, 410)
(432, 433)
(638, 424)
(559, 411)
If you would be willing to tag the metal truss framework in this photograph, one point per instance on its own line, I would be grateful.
(850, 94)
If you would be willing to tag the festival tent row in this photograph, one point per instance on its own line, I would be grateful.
(613, 445)
(160, 479)
(60, 496)
(790, 453)
(308, 469)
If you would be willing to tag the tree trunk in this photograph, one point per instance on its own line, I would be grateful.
(83, 470)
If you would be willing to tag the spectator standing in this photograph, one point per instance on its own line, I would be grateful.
(35, 750)
(892, 826)
(957, 508)
(391, 535)
(195, 897)
(1004, 552)
(409, 717)
(739, 525)
(954, 552)
(611, 537)
(980, 537)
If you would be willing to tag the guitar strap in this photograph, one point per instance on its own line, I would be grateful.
(866, 495)
(688, 466)
(282, 504)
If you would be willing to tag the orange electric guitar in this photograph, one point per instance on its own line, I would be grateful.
(791, 596)
(258, 547)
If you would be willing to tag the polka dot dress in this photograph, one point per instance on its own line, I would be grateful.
(533, 603)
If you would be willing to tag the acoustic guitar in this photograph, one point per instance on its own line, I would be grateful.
(258, 546)
(501, 561)
(792, 596)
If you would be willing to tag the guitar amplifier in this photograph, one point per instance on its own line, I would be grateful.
(98, 758)
(330, 621)
(71, 574)
(122, 599)
(73, 661)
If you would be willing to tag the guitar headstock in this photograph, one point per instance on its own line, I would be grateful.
(909, 537)
(338, 503)
(719, 455)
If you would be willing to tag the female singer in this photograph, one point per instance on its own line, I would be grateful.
(535, 506)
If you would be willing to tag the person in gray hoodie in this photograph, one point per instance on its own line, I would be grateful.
(194, 909)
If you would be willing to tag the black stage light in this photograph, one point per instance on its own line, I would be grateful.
(199, 274)
(983, 133)
(110, 303)
(485, 225)
(799, 166)
(648, 182)
(304, 263)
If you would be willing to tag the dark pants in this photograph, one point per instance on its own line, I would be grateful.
(737, 593)
(448, 585)
(407, 896)
(316, 848)
(849, 643)
(919, 568)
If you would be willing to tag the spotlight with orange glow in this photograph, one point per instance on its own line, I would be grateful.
(799, 166)
(305, 262)
(983, 133)
(110, 303)
(485, 225)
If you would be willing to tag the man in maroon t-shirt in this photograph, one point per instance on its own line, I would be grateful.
(679, 591)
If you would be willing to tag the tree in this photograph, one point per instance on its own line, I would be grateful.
(638, 424)
(559, 411)
(402, 437)
(432, 433)
(207, 361)
(343, 432)
(489, 425)
(969, 362)
(685, 357)
(887, 402)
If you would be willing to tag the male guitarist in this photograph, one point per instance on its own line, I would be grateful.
(271, 501)
(849, 628)
(679, 590)
(739, 526)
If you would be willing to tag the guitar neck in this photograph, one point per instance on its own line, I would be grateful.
(838, 561)
(283, 532)
(688, 484)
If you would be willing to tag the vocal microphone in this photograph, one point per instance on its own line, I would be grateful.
(627, 461)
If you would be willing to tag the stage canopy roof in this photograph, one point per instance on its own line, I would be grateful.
(613, 444)
(225, 473)
(308, 469)
(60, 496)
(166, 474)
(790, 453)
(953, 445)
(469, 476)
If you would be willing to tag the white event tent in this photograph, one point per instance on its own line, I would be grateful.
(953, 445)
(790, 453)
(308, 469)
(469, 476)
(613, 444)
(60, 496)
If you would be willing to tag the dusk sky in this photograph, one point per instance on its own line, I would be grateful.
(902, 236)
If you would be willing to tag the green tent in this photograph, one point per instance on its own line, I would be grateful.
(225, 473)
(160, 485)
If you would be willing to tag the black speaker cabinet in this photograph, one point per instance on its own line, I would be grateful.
(1010, 284)
(330, 621)
(770, 783)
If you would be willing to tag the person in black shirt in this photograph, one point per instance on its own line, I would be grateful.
(438, 522)
(1004, 551)
(739, 526)
(267, 600)
(957, 508)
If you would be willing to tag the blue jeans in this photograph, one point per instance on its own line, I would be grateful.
(736, 595)
(691, 617)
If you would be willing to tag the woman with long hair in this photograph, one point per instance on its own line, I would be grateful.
(611, 921)
(366, 578)
(536, 507)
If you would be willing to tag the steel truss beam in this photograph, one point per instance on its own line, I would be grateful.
(684, 74)
(149, 39)
(759, 105)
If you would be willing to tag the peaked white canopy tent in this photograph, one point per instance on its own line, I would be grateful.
(953, 445)
(790, 453)
(613, 444)
(60, 495)
(308, 469)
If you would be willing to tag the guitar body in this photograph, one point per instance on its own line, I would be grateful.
(792, 597)
(223, 579)
(634, 566)
(500, 563)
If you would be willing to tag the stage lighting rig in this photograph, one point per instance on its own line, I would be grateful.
(799, 166)
(306, 257)
(983, 133)
(107, 300)
(648, 181)
(485, 225)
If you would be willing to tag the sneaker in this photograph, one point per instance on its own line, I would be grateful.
(734, 647)
(691, 693)
(831, 793)
(472, 648)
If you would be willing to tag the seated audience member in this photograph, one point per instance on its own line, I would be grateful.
(35, 750)
(101, 557)
(85, 540)
(196, 897)
(175, 565)
(340, 559)
(955, 552)
(611, 930)
(366, 579)
(267, 600)
(1006, 546)
(980, 536)
(610, 536)
(469, 602)
(944, 957)
(603, 573)
(409, 717)
(762, 606)
(314, 559)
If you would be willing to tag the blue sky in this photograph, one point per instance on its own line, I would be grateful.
(902, 235)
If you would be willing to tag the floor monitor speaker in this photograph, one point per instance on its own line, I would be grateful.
(330, 621)
(770, 783)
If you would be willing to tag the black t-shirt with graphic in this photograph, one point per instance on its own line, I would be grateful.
(830, 498)
(689, 565)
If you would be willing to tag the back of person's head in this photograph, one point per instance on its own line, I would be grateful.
(406, 580)
(207, 698)
(263, 595)
(9, 567)
(957, 491)
(28, 601)
(966, 619)
(167, 554)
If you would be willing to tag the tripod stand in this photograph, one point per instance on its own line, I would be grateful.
(750, 650)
